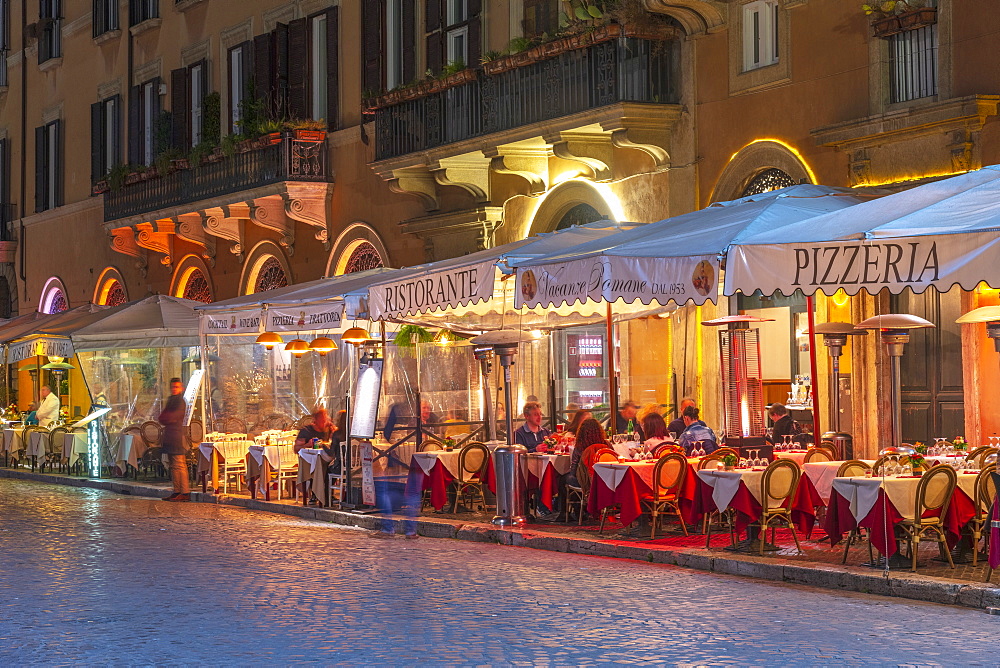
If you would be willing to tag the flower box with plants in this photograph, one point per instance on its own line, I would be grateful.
(891, 17)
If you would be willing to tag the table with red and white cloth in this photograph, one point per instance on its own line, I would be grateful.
(797, 456)
(946, 459)
(621, 483)
(433, 470)
(740, 490)
(879, 504)
(822, 474)
(543, 473)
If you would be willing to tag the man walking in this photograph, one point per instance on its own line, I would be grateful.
(172, 419)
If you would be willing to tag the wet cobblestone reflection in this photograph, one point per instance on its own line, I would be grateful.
(88, 576)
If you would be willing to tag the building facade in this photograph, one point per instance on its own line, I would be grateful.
(206, 149)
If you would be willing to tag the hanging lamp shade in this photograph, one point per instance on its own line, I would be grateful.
(355, 335)
(322, 345)
(269, 340)
(297, 347)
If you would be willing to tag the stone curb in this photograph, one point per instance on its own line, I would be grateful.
(843, 578)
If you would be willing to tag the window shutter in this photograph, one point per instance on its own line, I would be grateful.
(408, 50)
(116, 132)
(180, 107)
(281, 67)
(298, 68)
(332, 68)
(97, 167)
(434, 41)
(246, 60)
(157, 108)
(263, 68)
(56, 138)
(134, 126)
(371, 46)
(475, 43)
(40, 162)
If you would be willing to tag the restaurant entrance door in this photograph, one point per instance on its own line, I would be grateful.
(580, 368)
(931, 367)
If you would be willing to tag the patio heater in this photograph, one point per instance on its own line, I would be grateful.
(742, 387)
(835, 336)
(484, 354)
(58, 367)
(507, 458)
(895, 329)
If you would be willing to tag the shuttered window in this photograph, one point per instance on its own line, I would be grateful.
(49, 30)
(323, 67)
(453, 33)
(48, 166)
(188, 90)
(143, 10)
(540, 16)
(913, 64)
(7, 212)
(240, 63)
(144, 114)
(105, 136)
(760, 34)
(105, 16)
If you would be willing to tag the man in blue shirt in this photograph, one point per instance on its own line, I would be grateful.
(531, 433)
(696, 430)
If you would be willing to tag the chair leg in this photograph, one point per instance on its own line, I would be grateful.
(914, 544)
(975, 547)
(708, 530)
(795, 536)
(579, 516)
(680, 518)
(762, 536)
(652, 528)
(847, 545)
(458, 493)
(943, 542)
(604, 515)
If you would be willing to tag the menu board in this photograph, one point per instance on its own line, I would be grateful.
(191, 394)
(367, 474)
(366, 397)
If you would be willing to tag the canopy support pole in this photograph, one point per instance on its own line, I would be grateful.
(813, 368)
(612, 372)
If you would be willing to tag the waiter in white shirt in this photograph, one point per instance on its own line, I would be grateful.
(48, 412)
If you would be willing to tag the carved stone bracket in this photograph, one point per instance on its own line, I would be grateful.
(123, 241)
(860, 167)
(189, 227)
(456, 232)
(156, 236)
(466, 172)
(215, 222)
(696, 16)
(529, 165)
(309, 203)
(580, 149)
(270, 213)
(661, 158)
(418, 182)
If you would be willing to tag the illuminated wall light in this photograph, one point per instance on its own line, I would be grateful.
(791, 149)
(907, 179)
(840, 298)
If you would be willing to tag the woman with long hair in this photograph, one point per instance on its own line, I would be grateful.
(655, 428)
(590, 433)
(578, 418)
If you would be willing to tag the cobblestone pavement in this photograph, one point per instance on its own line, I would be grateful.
(87, 576)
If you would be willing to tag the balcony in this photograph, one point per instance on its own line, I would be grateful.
(219, 178)
(620, 70)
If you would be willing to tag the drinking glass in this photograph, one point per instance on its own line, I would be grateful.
(743, 463)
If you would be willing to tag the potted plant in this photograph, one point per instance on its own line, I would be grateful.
(449, 444)
(914, 16)
(309, 131)
(729, 461)
(101, 187)
(961, 445)
(918, 463)
(884, 19)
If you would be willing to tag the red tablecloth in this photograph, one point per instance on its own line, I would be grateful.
(883, 517)
(548, 486)
(438, 480)
(629, 494)
(748, 509)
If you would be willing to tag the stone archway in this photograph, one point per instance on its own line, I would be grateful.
(110, 288)
(54, 298)
(759, 160)
(266, 268)
(192, 280)
(569, 202)
(357, 248)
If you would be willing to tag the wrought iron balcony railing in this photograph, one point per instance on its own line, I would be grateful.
(626, 69)
(287, 160)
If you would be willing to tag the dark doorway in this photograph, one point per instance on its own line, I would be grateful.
(581, 214)
(933, 403)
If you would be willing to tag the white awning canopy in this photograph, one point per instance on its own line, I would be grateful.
(48, 335)
(673, 261)
(936, 235)
(159, 321)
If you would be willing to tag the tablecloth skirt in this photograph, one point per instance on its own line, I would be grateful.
(748, 509)
(437, 482)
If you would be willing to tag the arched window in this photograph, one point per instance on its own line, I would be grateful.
(766, 181)
(196, 287)
(55, 301)
(581, 214)
(364, 256)
(270, 276)
(116, 295)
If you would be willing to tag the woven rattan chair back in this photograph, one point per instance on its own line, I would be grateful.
(666, 449)
(818, 455)
(430, 445)
(852, 468)
(829, 447)
(722, 452)
(979, 455)
(934, 490)
(606, 455)
(233, 425)
(669, 474)
(472, 459)
(196, 431)
(779, 482)
(708, 461)
(986, 489)
(583, 477)
(56, 439)
(152, 432)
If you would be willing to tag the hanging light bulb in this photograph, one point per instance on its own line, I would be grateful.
(269, 340)
(445, 338)
(322, 345)
(297, 347)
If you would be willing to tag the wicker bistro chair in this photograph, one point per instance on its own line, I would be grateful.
(578, 493)
(985, 492)
(819, 455)
(710, 459)
(881, 461)
(979, 455)
(852, 468)
(934, 492)
(777, 489)
(430, 445)
(604, 455)
(668, 477)
(55, 449)
(472, 461)
(666, 449)
(43, 433)
(152, 458)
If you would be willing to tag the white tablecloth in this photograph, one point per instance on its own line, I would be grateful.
(612, 473)
(12, 440)
(37, 442)
(313, 466)
(537, 463)
(862, 493)
(130, 450)
(74, 443)
(822, 474)
(945, 459)
(725, 484)
(449, 460)
(624, 449)
(232, 452)
(797, 456)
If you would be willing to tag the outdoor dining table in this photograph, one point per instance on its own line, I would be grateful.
(262, 460)
(797, 456)
(211, 452)
(74, 443)
(36, 444)
(740, 490)
(12, 441)
(822, 474)
(129, 450)
(879, 504)
(544, 471)
(934, 460)
(628, 483)
(313, 464)
(433, 470)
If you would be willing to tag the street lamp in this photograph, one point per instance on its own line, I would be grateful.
(506, 458)
(895, 329)
(835, 335)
